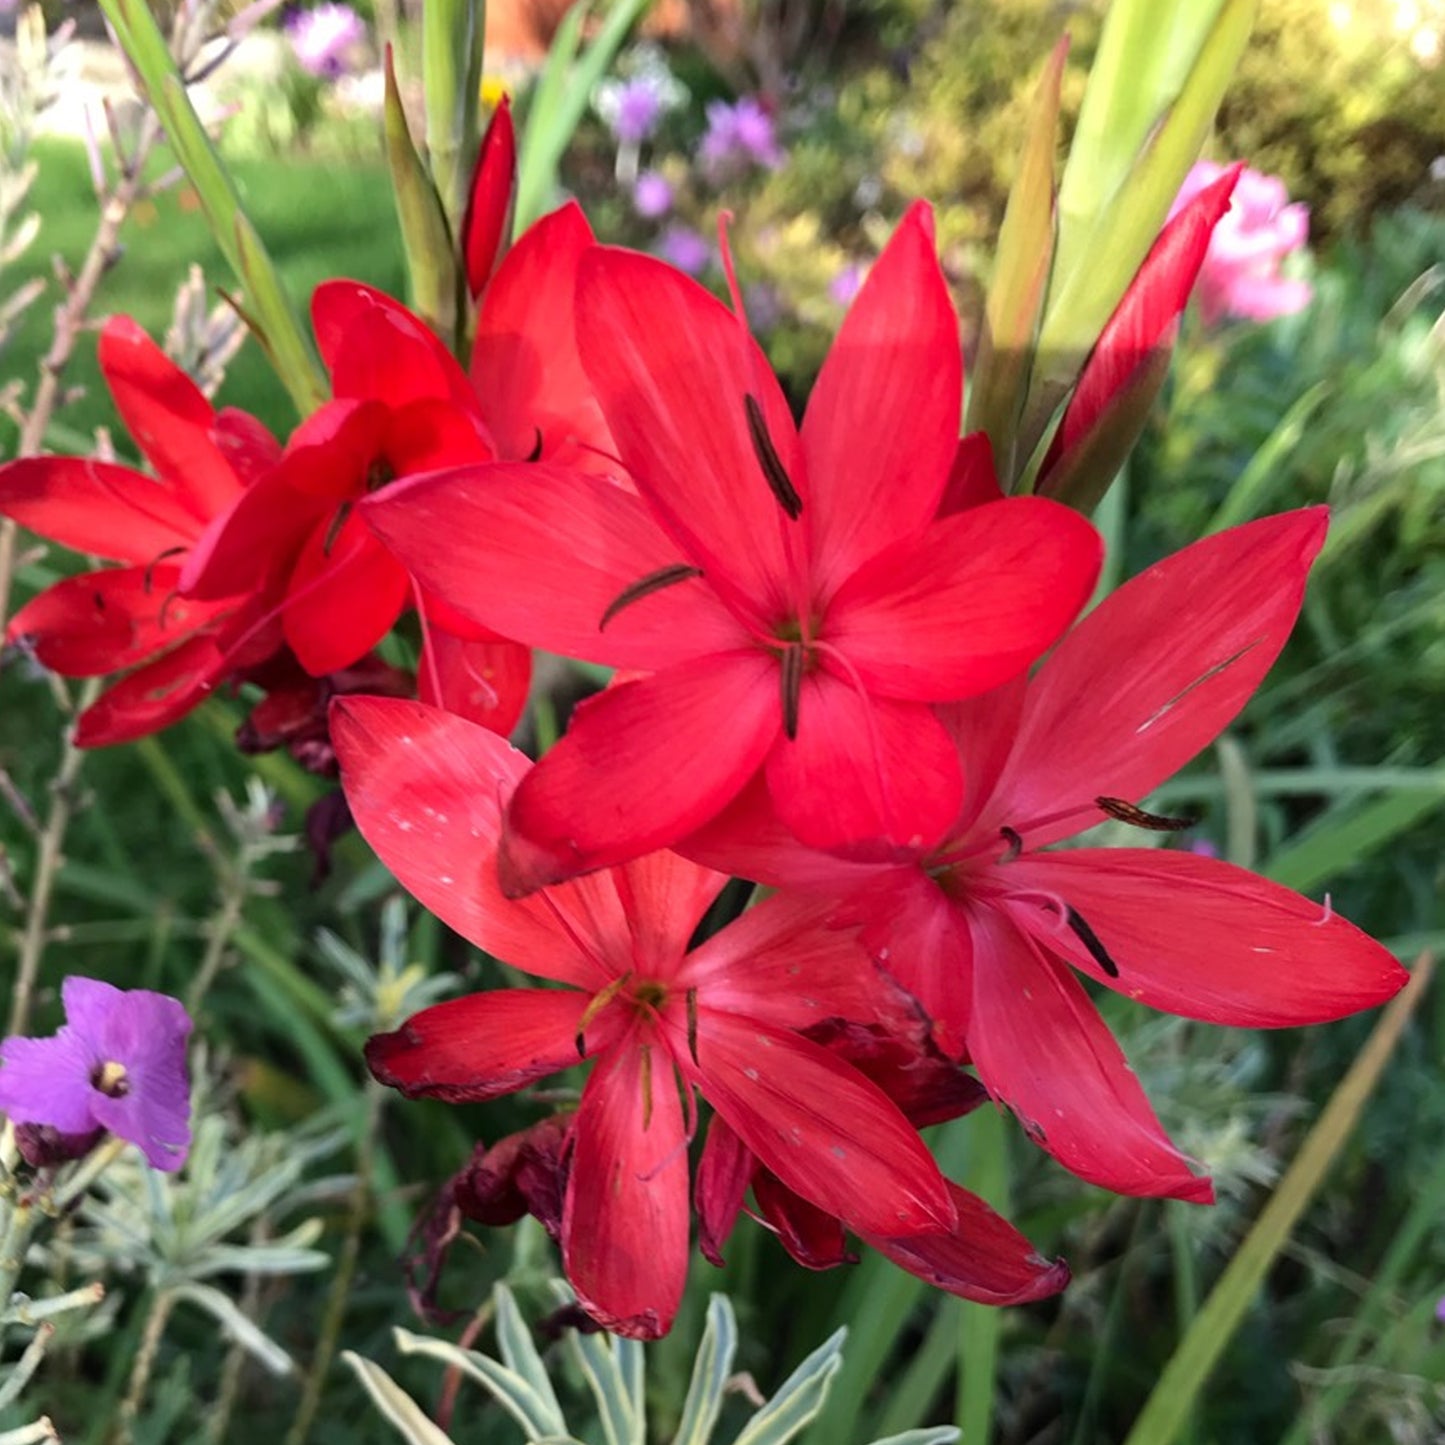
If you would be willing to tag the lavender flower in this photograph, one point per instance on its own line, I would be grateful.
(685, 249)
(119, 1063)
(651, 195)
(846, 284)
(324, 37)
(738, 137)
(632, 108)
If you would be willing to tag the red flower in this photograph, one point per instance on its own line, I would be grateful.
(131, 616)
(404, 406)
(984, 1258)
(427, 790)
(791, 594)
(986, 928)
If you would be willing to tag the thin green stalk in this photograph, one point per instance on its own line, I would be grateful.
(157, 1317)
(235, 889)
(47, 867)
(340, 1294)
(987, 1174)
(1184, 1377)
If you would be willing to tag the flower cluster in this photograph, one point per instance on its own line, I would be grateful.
(846, 667)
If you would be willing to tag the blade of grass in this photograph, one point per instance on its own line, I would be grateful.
(987, 1174)
(1173, 1398)
(1349, 832)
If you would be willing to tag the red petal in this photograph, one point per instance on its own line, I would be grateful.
(482, 1046)
(1153, 674)
(488, 540)
(971, 604)
(642, 765)
(1041, 1047)
(171, 421)
(783, 963)
(246, 443)
(485, 682)
(427, 791)
(723, 1175)
(973, 482)
(983, 729)
(346, 592)
(256, 542)
(625, 1223)
(984, 1259)
(881, 427)
(97, 508)
(102, 622)
(864, 768)
(664, 897)
(672, 368)
(819, 1125)
(922, 938)
(429, 435)
(487, 225)
(812, 1236)
(377, 350)
(525, 363)
(1157, 294)
(155, 696)
(1202, 938)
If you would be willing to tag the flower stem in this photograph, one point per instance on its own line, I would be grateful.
(340, 1293)
(235, 888)
(162, 1302)
(47, 867)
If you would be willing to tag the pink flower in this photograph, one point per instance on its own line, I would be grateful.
(1241, 272)
(738, 137)
(323, 38)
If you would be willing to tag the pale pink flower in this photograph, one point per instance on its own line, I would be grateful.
(1241, 273)
(325, 38)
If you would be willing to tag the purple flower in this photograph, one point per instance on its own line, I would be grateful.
(634, 107)
(639, 108)
(1241, 272)
(685, 249)
(651, 195)
(738, 136)
(324, 37)
(119, 1063)
(846, 284)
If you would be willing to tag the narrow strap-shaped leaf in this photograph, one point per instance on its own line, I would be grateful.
(598, 1363)
(509, 1389)
(242, 1329)
(933, 1435)
(632, 1362)
(560, 99)
(1172, 1400)
(396, 1406)
(520, 1355)
(710, 1371)
(1020, 279)
(277, 326)
(452, 34)
(799, 1397)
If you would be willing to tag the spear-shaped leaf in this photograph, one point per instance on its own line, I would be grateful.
(1020, 278)
(452, 33)
(430, 256)
(269, 312)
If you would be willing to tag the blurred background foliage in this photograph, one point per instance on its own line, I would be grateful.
(1334, 779)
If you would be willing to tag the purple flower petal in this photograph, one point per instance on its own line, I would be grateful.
(47, 1081)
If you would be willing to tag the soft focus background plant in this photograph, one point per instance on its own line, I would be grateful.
(1334, 781)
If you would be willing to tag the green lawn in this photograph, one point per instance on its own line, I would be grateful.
(320, 218)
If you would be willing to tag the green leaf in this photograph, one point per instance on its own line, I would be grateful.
(1020, 279)
(937, 1435)
(519, 1354)
(710, 1371)
(799, 1398)
(395, 1404)
(594, 1356)
(452, 34)
(237, 1325)
(1175, 1395)
(559, 100)
(1246, 498)
(275, 322)
(510, 1389)
(431, 256)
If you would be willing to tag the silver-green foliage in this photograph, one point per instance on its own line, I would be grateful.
(614, 1371)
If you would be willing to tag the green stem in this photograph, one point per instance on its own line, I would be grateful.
(341, 1283)
(162, 1303)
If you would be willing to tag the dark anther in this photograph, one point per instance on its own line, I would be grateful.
(379, 474)
(1136, 817)
(535, 454)
(1090, 940)
(334, 530)
(156, 562)
(581, 1042)
(99, 599)
(793, 659)
(768, 459)
(646, 586)
(646, 1051)
(692, 1025)
(1015, 844)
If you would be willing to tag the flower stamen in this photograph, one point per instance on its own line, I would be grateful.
(779, 483)
(1137, 817)
(645, 586)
